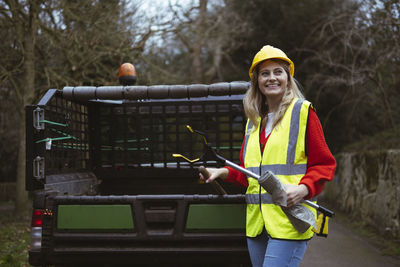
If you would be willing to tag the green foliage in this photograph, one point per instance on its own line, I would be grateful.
(14, 236)
(284, 24)
(346, 55)
(88, 43)
(388, 139)
(354, 61)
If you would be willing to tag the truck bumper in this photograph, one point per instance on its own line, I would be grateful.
(149, 257)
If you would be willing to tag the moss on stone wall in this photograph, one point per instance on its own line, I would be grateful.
(367, 187)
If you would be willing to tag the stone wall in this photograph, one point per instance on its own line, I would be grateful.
(367, 187)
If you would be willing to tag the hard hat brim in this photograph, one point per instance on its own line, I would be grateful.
(256, 63)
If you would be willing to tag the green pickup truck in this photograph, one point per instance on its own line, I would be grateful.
(107, 189)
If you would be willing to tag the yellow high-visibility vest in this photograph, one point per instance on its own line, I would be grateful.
(284, 155)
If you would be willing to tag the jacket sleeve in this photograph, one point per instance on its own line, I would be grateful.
(321, 164)
(235, 176)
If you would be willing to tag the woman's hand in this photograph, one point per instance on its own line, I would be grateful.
(295, 193)
(214, 173)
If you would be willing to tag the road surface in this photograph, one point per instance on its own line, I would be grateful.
(343, 248)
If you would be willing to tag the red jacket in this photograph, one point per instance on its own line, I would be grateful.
(321, 164)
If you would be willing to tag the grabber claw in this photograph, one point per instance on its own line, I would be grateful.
(207, 154)
(322, 225)
(185, 158)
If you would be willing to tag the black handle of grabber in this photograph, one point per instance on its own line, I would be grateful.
(325, 211)
(319, 208)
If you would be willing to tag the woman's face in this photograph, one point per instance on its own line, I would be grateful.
(272, 79)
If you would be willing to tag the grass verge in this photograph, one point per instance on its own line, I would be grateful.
(14, 236)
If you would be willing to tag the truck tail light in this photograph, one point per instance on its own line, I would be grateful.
(36, 229)
(37, 218)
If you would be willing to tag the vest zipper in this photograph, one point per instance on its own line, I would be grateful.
(259, 196)
(259, 191)
(261, 151)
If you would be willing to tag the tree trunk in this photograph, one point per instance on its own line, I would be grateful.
(197, 76)
(27, 94)
(21, 201)
(215, 69)
(197, 70)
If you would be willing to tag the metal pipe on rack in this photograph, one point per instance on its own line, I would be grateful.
(86, 93)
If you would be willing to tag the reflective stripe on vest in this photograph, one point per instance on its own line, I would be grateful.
(280, 169)
(255, 198)
(265, 198)
(290, 166)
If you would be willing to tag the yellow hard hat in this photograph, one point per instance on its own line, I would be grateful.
(269, 52)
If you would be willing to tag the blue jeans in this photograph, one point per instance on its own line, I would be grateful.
(268, 252)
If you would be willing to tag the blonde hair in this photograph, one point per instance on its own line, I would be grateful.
(255, 104)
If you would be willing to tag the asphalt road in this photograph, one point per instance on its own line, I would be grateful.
(344, 249)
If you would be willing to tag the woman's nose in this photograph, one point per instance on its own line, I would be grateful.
(272, 77)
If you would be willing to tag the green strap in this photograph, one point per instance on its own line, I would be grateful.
(60, 132)
(55, 139)
(73, 146)
(122, 149)
(132, 140)
(54, 123)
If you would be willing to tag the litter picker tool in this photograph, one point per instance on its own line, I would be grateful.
(300, 216)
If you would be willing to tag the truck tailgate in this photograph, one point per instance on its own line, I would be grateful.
(145, 229)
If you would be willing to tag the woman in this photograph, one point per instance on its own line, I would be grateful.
(283, 135)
